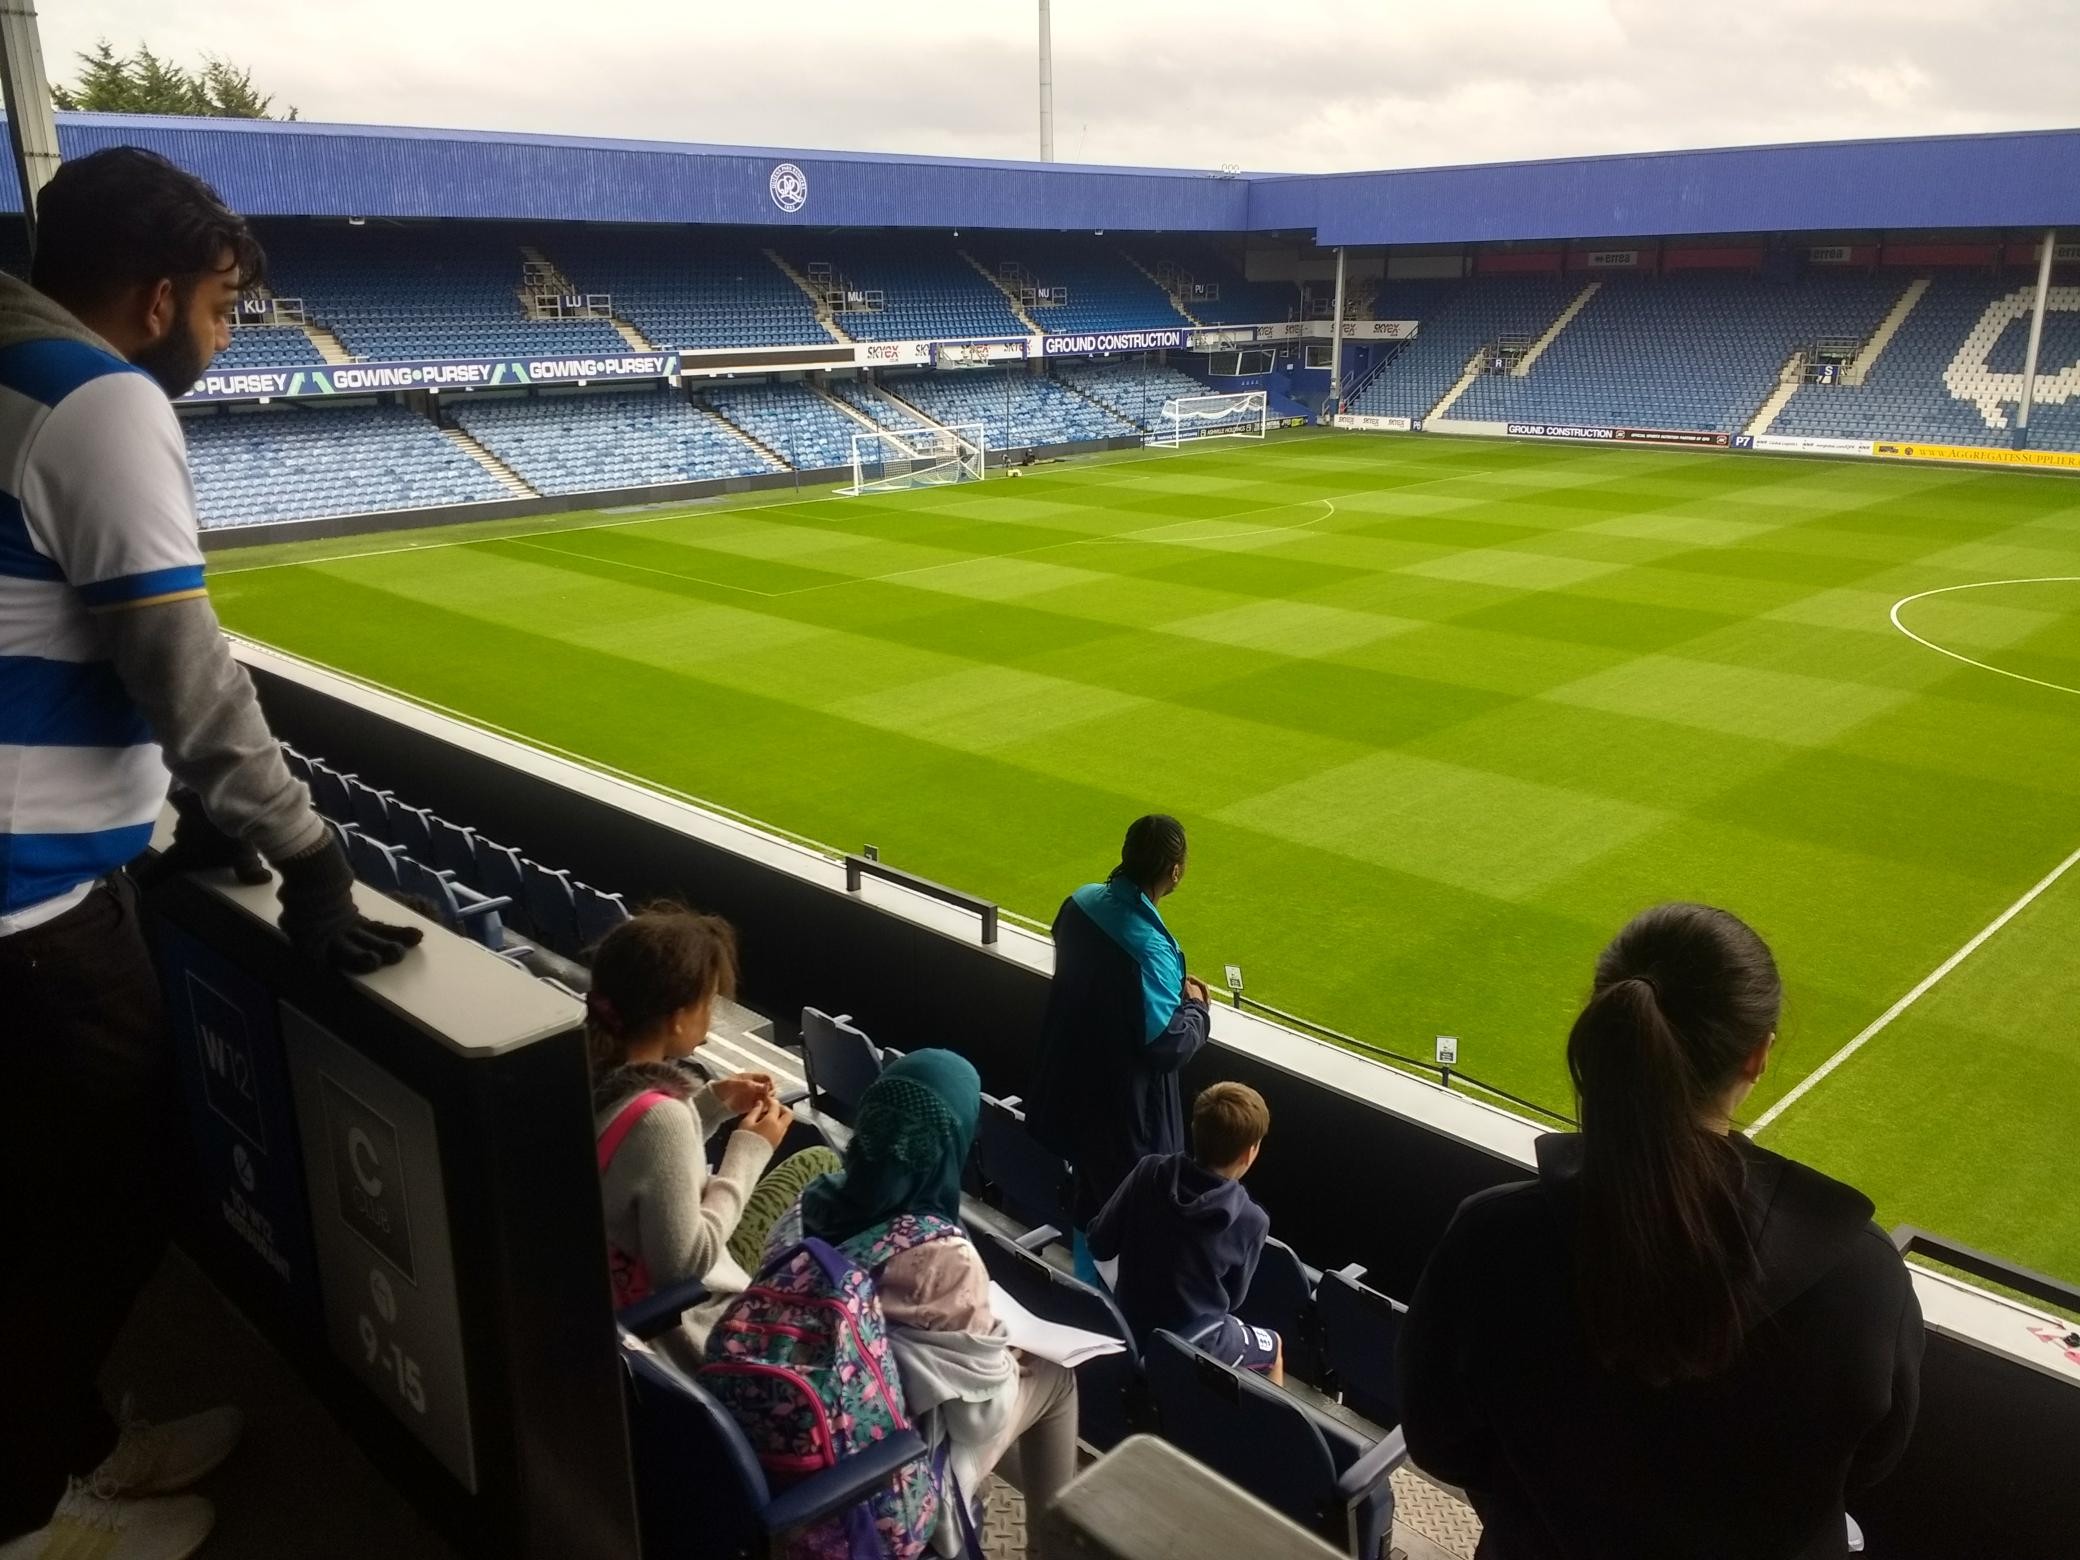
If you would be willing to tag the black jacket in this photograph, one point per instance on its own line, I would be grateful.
(1566, 1461)
(1187, 1241)
(1105, 1094)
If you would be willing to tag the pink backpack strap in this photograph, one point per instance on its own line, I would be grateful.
(624, 1123)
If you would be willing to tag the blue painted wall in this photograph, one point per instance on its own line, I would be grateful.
(2010, 180)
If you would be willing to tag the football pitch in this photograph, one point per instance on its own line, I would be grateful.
(1439, 715)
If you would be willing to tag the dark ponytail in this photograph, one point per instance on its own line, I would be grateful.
(1664, 1268)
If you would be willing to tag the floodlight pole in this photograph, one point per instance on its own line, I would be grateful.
(1046, 83)
(1336, 343)
(2036, 337)
(32, 129)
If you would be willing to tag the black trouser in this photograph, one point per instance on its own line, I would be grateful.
(87, 1104)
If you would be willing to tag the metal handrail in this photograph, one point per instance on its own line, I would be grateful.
(859, 867)
(1911, 1241)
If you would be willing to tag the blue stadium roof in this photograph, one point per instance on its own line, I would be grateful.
(2026, 179)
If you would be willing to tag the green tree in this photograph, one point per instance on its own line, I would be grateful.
(144, 83)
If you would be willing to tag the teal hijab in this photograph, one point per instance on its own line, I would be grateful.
(910, 1142)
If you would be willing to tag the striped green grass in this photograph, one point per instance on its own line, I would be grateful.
(1439, 714)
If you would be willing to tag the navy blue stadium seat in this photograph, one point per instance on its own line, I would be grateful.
(411, 830)
(1110, 1402)
(841, 1060)
(1030, 1182)
(551, 910)
(499, 873)
(700, 1493)
(371, 808)
(459, 909)
(1361, 1328)
(454, 849)
(1282, 1297)
(374, 862)
(329, 794)
(598, 914)
(1299, 1462)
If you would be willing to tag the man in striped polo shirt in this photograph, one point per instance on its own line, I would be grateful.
(114, 677)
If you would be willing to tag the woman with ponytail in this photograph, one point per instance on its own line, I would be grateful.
(655, 979)
(1674, 1344)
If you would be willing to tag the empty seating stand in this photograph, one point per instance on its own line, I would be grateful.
(1698, 350)
(925, 290)
(424, 293)
(267, 346)
(472, 885)
(253, 466)
(1911, 392)
(1015, 408)
(580, 442)
(693, 290)
(793, 421)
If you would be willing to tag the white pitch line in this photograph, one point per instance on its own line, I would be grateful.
(1878, 1025)
(1984, 666)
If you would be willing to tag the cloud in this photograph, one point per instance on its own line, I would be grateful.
(1321, 84)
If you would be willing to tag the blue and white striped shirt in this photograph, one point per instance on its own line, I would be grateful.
(97, 515)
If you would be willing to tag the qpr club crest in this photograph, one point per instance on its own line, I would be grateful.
(789, 187)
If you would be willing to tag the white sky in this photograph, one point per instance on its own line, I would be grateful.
(1296, 85)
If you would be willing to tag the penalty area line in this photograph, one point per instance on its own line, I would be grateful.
(1878, 1025)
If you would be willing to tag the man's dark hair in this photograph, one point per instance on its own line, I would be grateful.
(125, 217)
(1154, 846)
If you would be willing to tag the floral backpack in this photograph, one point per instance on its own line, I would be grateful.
(802, 1362)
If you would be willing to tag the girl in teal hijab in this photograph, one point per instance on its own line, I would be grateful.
(910, 1142)
(964, 1388)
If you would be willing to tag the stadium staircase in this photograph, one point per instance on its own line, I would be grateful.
(824, 317)
(1788, 381)
(1475, 366)
(504, 475)
(1537, 349)
(327, 345)
(1174, 302)
(1859, 370)
(847, 408)
(1010, 297)
(909, 406)
(780, 462)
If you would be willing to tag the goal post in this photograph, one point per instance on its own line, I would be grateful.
(890, 460)
(1242, 416)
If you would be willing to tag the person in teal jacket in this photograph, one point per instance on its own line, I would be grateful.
(1123, 1018)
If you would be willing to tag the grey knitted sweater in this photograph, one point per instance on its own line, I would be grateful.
(662, 1202)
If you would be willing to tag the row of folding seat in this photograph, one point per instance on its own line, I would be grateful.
(549, 905)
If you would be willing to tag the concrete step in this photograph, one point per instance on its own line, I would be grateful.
(1552, 331)
(508, 478)
(823, 309)
(328, 345)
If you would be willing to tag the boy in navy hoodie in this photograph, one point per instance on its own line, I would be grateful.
(1187, 1236)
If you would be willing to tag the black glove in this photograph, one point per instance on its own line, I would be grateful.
(199, 845)
(318, 914)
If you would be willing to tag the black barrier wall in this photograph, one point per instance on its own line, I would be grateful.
(406, 1206)
(1343, 1179)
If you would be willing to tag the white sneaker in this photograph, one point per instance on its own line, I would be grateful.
(95, 1526)
(159, 1459)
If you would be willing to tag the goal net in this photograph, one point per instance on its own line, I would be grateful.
(1243, 416)
(890, 460)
